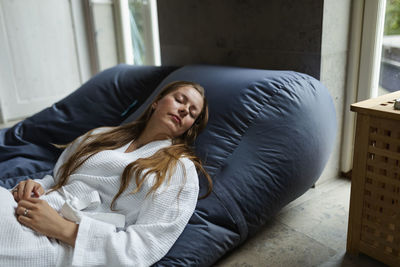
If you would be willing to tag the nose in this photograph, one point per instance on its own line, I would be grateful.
(183, 111)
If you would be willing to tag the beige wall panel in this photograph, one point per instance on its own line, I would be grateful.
(40, 55)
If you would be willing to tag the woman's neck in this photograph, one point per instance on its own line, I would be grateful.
(148, 135)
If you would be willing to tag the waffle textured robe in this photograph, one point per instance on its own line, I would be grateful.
(139, 233)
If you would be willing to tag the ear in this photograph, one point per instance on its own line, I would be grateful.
(154, 105)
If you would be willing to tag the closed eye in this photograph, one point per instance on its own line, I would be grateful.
(183, 99)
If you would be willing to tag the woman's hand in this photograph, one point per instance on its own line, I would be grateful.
(38, 215)
(25, 190)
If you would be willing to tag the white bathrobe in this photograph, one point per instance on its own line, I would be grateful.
(139, 233)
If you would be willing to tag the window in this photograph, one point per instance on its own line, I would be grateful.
(144, 32)
(365, 53)
(122, 31)
(389, 76)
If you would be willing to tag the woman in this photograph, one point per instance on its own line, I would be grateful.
(120, 195)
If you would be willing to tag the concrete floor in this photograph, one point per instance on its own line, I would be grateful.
(310, 231)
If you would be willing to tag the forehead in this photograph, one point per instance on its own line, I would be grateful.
(192, 94)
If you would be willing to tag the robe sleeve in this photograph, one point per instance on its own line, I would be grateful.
(161, 220)
(46, 182)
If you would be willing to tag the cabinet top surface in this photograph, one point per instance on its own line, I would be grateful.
(382, 106)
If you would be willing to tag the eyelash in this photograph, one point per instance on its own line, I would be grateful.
(180, 101)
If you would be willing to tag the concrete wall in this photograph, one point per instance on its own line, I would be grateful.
(308, 36)
(334, 54)
(273, 34)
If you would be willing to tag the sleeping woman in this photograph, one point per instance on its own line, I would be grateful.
(118, 195)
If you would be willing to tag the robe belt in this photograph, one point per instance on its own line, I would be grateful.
(72, 209)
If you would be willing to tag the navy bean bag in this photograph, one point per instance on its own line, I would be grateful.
(268, 139)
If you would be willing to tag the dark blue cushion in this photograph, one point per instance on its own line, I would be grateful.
(106, 99)
(268, 139)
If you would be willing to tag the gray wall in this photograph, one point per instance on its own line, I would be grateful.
(266, 34)
(334, 54)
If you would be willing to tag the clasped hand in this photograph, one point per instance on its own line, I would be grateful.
(27, 189)
(39, 215)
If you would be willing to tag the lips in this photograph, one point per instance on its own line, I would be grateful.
(176, 119)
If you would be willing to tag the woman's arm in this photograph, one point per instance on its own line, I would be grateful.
(38, 215)
(161, 220)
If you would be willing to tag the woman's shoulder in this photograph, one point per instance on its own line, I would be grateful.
(187, 164)
(187, 170)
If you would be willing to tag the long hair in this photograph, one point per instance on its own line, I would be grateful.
(162, 164)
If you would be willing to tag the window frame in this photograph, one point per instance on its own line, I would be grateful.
(363, 67)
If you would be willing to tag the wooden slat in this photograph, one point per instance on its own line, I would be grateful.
(383, 138)
(383, 152)
(357, 183)
(378, 203)
(386, 258)
(388, 194)
(381, 247)
(372, 201)
(385, 230)
(389, 219)
(385, 165)
(378, 241)
(383, 179)
(381, 122)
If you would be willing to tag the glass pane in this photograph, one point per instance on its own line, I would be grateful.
(389, 79)
(137, 20)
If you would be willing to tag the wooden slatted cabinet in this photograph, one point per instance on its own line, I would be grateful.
(374, 217)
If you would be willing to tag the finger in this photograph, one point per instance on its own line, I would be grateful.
(36, 192)
(15, 189)
(29, 204)
(25, 220)
(28, 189)
(21, 187)
(33, 200)
(21, 211)
(15, 195)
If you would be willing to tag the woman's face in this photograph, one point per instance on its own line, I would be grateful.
(178, 110)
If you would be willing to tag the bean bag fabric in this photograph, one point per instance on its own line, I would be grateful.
(269, 137)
